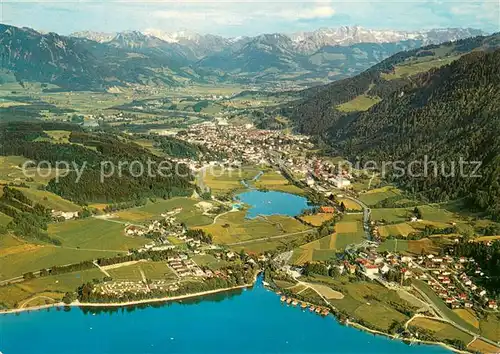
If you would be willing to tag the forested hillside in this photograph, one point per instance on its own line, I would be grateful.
(90, 154)
(450, 114)
(321, 107)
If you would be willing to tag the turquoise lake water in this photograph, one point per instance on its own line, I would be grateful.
(272, 203)
(250, 321)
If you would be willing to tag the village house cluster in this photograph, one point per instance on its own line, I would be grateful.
(445, 275)
(243, 143)
(185, 267)
(448, 279)
(323, 175)
(318, 174)
(118, 288)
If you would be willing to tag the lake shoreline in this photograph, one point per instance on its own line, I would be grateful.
(201, 295)
(414, 340)
(126, 303)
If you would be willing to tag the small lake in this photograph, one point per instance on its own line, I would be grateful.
(251, 321)
(273, 203)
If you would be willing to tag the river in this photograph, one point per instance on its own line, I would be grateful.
(249, 321)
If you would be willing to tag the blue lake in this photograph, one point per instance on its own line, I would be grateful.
(251, 321)
(273, 203)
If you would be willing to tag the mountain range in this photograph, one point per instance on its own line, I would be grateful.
(98, 61)
(302, 42)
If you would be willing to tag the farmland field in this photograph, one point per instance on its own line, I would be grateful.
(49, 200)
(377, 311)
(326, 291)
(374, 196)
(209, 261)
(223, 180)
(92, 233)
(325, 248)
(441, 330)
(4, 219)
(347, 227)
(234, 227)
(359, 103)
(129, 272)
(423, 245)
(390, 214)
(350, 204)
(348, 232)
(490, 327)
(7, 241)
(52, 287)
(418, 67)
(151, 270)
(394, 245)
(11, 171)
(157, 270)
(468, 316)
(353, 217)
(271, 244)
(316, 219)
(273, 180)
(403, 229)
(190, 214)
(34, 259)
(481, 346)
(487, 238)
(439, 303)
(305, 253)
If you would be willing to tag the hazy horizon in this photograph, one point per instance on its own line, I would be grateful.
(246, 18)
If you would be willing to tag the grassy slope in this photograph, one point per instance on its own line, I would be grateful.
(49, 200)
(15, 264)
(94, 233)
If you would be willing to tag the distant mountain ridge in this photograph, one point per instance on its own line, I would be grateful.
(301, 42)
(98, 61)
(309, 42)
(82, 64)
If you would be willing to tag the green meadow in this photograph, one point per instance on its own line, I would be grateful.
(92, 233)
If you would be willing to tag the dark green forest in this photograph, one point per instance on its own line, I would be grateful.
(93, 153)
(446, 116)
(437, 118)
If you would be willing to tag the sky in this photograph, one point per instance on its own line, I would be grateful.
(246, 17)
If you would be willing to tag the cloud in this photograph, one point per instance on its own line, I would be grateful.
(248, 17)
(316, 12)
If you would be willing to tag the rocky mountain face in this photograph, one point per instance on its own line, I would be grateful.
(100, 37)
(47, 58)
(82, 64)
(309, 42)
(264, 52)
(202, 45)
(91, 60)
